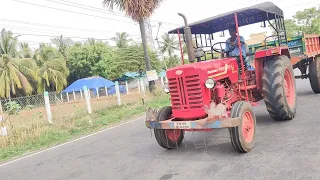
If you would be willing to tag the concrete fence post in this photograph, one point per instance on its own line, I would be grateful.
(118, 92)
(86, 96)
(106, 91)
(97, 90)
(142, 85)
(139, 85)
(74, 95)
(127, 87)
(48, 108)
(3, 131)
(81, 94)
(68, 96)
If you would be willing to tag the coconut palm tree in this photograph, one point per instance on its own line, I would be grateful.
(169, 44)
(138, 11)
(13, 77)
(25, 50)
(52, 71)
(121, 39)
(62, 44)
(8, 43)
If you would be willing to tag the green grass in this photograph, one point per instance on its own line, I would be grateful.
(51, 135)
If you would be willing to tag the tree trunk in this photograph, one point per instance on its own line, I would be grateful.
(146, 55)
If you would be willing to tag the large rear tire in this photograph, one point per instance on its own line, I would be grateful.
(243, 136)
(279, 88)
(314, 74)
(169, 139)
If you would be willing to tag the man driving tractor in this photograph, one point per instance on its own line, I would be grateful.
(232, 45)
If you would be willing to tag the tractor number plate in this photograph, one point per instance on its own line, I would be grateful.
(182, 125)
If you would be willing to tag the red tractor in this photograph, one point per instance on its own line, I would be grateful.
(211, 93)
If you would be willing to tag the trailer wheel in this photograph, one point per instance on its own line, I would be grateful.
(314, 74)
(279, 88)
(166, 138)
(243, 136)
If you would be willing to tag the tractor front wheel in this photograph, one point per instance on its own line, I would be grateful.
(243, 136)
(167, 138)
(314, 74)
(279, 88)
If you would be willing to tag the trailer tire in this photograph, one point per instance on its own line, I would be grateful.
(314, 74)
(279, 88)
(169, 139)
(243, 136)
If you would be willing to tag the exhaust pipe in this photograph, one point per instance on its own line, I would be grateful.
(188, 38)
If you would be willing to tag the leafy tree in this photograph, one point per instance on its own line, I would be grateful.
(138, 11)
(121, 39)
(172, 61)
(306, 21)
(90, 59)
(130, 59)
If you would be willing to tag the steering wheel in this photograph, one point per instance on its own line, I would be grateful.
(222, 50)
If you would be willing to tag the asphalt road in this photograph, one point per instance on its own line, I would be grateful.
(283, 150)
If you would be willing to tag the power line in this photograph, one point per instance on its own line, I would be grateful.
(101, 17)
(45, 35)
(35, 29)
(56, 26)
(95, 9)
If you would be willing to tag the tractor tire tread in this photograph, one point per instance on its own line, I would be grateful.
(273, 90)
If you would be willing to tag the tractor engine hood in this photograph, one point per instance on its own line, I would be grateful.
(187, 88)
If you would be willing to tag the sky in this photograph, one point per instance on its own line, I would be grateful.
(37, 20)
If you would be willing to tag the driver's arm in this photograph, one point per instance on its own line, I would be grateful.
(226, 49)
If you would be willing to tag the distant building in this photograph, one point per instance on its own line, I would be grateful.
(256, 38)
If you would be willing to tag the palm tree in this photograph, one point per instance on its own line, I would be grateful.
(138, 11)
(12, 78)
(52, 71)
(169, 44)
(25, 50)
(15, 74)
(8, 43)
(62, 44)
(121, 39)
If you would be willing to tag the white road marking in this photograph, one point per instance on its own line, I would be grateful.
(7, 163)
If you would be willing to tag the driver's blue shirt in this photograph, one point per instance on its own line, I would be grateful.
(236, 51)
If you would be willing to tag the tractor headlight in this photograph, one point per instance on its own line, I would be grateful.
(166, 88)
(210, 83)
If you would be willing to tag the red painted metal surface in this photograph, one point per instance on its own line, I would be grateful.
(181, 50)
(241, 58)
(187, 90)
(247, 127)
(271, 52)
(258, 64)
(312, 44)
(173, 135)
(289, 87)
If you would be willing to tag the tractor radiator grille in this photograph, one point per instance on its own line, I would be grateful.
(185, 92)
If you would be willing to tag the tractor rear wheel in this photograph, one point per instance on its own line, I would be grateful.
(168, 138)
(314, 74)
(279, 88)
(243, 136)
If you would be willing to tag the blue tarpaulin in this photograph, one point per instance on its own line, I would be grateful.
(90, 82)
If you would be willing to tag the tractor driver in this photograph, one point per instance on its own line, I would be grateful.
(232, 43)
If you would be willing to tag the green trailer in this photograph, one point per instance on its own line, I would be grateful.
(304, 55)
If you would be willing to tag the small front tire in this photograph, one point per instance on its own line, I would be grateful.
(243, 136)
(167, 138)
